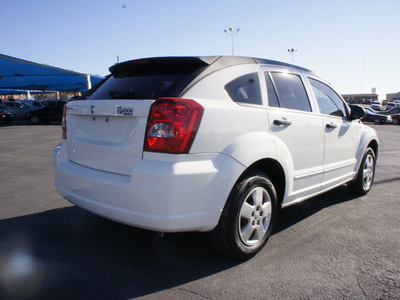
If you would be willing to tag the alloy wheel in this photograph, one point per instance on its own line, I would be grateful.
(368, 172)
(254, 216)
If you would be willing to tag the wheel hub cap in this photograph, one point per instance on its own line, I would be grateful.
(368, 172)
(254, 216)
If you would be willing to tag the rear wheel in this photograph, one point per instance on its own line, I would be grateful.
(248, 218)
(35, 119)
(396, 121)
(377, 121)
(365, 176)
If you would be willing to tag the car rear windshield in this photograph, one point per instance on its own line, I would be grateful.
(138, 87)
(148, 79)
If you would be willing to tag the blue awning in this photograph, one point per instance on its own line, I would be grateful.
(18, 74)
(19, 92)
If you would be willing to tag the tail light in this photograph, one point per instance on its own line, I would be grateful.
(64, 122)
(172, 125)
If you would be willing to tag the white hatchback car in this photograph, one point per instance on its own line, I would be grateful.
(215, 144)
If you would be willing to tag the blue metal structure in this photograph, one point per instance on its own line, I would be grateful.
(19, 74)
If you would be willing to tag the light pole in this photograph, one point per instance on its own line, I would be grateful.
(292, 52)
(231, 33)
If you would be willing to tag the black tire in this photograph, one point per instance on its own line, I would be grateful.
(396, 121)
(35, 119)
(365, 175)
(377, 121)
(252, 205)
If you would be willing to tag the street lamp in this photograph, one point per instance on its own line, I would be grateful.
(231, 33)
(292, 52)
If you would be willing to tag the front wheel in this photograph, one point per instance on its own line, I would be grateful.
(396, 121)
(248, 218)
(377, 121)
(365, 176)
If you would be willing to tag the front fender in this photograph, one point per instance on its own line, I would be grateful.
(368, 135)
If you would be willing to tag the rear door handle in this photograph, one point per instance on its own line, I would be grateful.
(331, 125)
(282, 122)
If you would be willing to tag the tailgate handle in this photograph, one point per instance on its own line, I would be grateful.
(282, 122)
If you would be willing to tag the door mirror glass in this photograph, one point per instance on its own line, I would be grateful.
(357, 112)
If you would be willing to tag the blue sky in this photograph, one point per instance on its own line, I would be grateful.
(354, 44)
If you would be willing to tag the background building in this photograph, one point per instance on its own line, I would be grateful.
(360, 98)
(392, 97)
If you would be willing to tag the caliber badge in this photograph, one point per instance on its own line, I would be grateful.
(126, 111)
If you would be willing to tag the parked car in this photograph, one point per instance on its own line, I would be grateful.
(377, 117)
(390, 105)
(396, 119)
(50, 113)
(213, 144)
(34, 103)
(391, 111)
(6, 116)
(376, 107)
(20, 109)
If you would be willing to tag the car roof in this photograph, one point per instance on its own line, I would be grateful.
(194, 67)
(212, 62)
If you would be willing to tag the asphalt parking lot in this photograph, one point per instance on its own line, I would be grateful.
(331, 246)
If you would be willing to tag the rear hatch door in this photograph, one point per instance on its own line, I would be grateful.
(106, 129)
(107, 135)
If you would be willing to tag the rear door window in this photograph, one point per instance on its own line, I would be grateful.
(272, 97)
(291, 91)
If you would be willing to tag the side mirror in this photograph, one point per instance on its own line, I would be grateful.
(357, 112)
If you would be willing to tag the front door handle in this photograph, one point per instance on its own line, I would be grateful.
(282, 122)
(331, 125)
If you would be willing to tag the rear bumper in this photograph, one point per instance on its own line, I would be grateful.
(185, 194)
